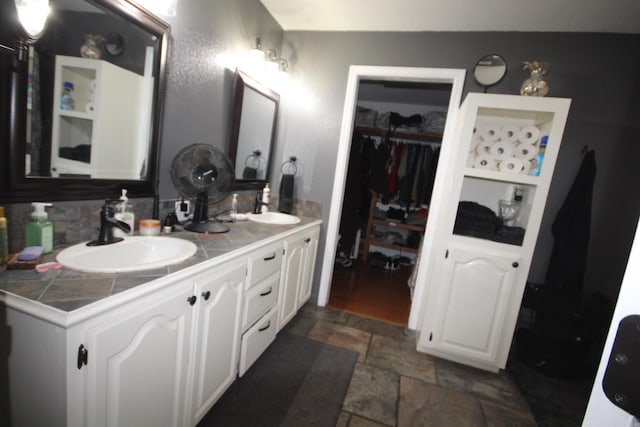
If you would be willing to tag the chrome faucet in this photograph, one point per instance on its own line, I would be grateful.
(107, 223)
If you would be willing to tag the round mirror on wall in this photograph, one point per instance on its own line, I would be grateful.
(490, 70)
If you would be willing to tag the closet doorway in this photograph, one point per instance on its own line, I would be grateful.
(408, 113)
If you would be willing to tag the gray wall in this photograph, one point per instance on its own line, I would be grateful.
(598, 71)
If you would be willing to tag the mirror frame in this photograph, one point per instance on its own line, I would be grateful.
(242, 81)
(16, 187)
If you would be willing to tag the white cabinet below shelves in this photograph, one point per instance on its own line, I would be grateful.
(471, 311)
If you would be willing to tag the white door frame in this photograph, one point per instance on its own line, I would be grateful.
(452, 76)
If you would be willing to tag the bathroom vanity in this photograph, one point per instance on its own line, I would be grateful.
(162, 351)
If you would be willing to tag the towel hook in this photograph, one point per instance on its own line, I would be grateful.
(291, 163)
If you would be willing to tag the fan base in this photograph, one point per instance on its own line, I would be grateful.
(206, 227)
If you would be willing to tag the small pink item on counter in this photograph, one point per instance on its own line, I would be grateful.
(41, 268)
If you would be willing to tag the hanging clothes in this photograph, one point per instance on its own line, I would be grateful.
(571, 231)
(379, 175)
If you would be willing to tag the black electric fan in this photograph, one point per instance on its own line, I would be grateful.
(203, 172)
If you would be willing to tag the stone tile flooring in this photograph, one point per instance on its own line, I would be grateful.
(395, 385)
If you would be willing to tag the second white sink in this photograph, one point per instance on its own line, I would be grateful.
(274, 218)
(134, 253)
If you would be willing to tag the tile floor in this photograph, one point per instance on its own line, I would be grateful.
(394, 385)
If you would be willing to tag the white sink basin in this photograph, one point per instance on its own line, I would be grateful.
(132, 254)
(274, 218)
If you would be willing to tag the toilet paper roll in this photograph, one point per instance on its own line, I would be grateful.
(484, 161)
(501, 150)
(509, 133)
(529, 135)
(511, 165)
(490, 133)
(89, 108)
(475, 140)
(484, 147)
(525, 151)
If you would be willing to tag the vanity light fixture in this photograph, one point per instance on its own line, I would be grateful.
(274, 63)
(256, 55)
(29, 18)
(267, 60)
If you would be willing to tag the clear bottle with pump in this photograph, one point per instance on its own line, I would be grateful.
(265, 198)
(39, 231)
(4, 238)
(234, 207)
(124, 213)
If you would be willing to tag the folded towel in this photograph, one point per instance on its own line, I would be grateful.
(285, 202)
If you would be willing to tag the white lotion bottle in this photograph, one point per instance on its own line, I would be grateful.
(234, 207)
(265, 198)
(124, 214)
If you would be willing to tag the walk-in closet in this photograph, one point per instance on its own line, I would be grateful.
(394, 153)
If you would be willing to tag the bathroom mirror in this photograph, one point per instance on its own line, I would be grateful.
(490, 70)
(108, 57)
(255, 113)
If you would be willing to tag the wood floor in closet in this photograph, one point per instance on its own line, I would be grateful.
(372, 292)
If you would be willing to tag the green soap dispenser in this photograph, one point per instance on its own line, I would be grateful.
(40, 229)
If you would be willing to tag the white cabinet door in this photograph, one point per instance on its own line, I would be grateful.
(309, 262)
(138, 358)
(219, 299)
(471, 308)
(290, 279)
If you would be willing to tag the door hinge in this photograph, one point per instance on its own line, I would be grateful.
(83, 356)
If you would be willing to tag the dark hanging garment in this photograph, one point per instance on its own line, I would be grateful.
(379, 175)
(571, 231)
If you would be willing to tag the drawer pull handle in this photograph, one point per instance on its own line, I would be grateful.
(264, 294)
(269, 258)
(266, 327)
(206, 295)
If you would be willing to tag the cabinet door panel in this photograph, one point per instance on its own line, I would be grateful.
(310, 252)
(138, 364)
(474, 306)
(290, 282)
(218, 339)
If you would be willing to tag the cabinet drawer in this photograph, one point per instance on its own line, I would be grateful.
(256, 340)
(263, 263)
(259, 299)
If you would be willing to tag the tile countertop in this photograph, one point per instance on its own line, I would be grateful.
(67, 296)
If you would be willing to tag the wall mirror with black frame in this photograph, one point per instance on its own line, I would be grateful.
(255, 114)
(82, 110)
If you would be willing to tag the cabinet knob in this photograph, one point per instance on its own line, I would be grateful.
(515, 264)
(192, 299)
(206, 295)
(307, 240)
